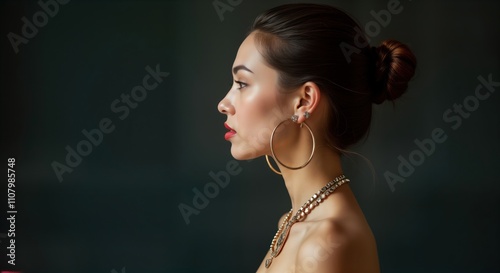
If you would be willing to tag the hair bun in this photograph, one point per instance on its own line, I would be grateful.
(394, 67)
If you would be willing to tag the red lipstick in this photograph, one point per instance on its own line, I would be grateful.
(231, 132)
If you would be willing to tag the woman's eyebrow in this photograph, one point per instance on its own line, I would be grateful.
(239, 67)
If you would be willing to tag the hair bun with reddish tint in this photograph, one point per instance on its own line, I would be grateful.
(394, 67)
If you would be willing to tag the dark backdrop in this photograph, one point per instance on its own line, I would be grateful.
(118, 209)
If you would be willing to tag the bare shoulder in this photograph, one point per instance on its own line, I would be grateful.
(332, 245)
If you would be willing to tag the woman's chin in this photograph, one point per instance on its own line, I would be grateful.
(244, 154)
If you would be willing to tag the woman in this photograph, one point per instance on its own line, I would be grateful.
(302, 94)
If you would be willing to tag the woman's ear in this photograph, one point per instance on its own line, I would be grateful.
(308, 97)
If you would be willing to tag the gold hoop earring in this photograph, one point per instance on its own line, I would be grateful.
(281, 163)
(271, 166)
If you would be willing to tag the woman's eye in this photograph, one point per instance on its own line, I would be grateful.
(240, 84)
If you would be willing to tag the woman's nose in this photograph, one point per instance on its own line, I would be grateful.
(225, 106)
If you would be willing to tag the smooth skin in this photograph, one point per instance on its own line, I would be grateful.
(335, 236)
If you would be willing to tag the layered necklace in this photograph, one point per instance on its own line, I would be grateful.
(282, 234)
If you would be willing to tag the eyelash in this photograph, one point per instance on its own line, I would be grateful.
(241, 84)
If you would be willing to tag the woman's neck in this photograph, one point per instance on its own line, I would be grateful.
(303, 183)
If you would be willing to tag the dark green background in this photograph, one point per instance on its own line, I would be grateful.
(119, 207)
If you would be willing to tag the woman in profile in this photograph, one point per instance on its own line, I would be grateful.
(302, 97)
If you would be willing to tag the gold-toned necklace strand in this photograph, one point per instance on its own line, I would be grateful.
(281, 235)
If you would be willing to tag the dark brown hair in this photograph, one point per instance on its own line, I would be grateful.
(303, 43)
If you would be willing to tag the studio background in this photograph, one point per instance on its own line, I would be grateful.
(118, 210)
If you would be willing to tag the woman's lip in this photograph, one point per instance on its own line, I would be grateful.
(229, 135)
(231, 132)
(229, 127)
